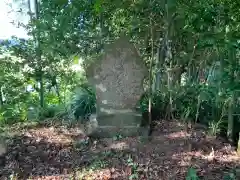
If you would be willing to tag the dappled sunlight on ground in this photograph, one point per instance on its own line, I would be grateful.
(50, 135)
(214, 155)
(180, 134)
(99, 174)
(58, 152)
(119, 146)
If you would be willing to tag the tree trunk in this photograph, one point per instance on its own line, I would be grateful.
(230, 122)
(150, 82)
(36, 37)
(161, 53)
(38, 54)
(177, 76)
(158, 72)
(41, 92)
(58, 93)
(193, 74)
(169, 84)
(1, 97)
(232, 58)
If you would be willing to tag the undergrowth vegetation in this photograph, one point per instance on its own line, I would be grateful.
(192, 175)
(198, 103)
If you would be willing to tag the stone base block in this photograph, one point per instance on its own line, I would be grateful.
(127, 131)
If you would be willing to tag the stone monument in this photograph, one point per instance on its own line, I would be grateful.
(117, 77)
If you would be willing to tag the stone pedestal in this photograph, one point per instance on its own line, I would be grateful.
(124, 122)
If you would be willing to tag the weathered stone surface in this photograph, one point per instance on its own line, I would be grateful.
(118, 80)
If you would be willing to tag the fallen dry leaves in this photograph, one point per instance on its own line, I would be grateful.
(49, 153)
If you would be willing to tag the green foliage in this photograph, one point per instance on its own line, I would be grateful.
(196, 36)
(192, 35)
(51, 111)
(215, 127)
(134, 166)
(230, 176)
(117, 137)
(51, 99)
(83, 102)
(192, 174)
(159, 102)
(10, 114)
(196, 102)
(48, 112)
(186, 100)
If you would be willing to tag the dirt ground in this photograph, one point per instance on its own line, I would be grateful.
(58, 152)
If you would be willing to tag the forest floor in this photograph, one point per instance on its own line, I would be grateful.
(51, 152)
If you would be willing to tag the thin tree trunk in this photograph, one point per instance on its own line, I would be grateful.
(150, 82)
(157, 73)
(41, 93)
(169, 84)
(232, 58)
(36, 38)
(58, 93)
(159, 62)
(1, 97)
(38, 53)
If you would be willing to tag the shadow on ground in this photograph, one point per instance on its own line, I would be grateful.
(56, 153)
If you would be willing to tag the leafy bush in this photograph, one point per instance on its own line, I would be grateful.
(186, 99)
(51, 99)
(48, 112)
(158, 103)
(80, 105)
(202, 103)
(83, 102)
(192, 174)
(51, 111)
(10, 114)
(158, 107)
(214, 127)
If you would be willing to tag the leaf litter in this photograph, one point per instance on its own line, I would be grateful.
(57, 152)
